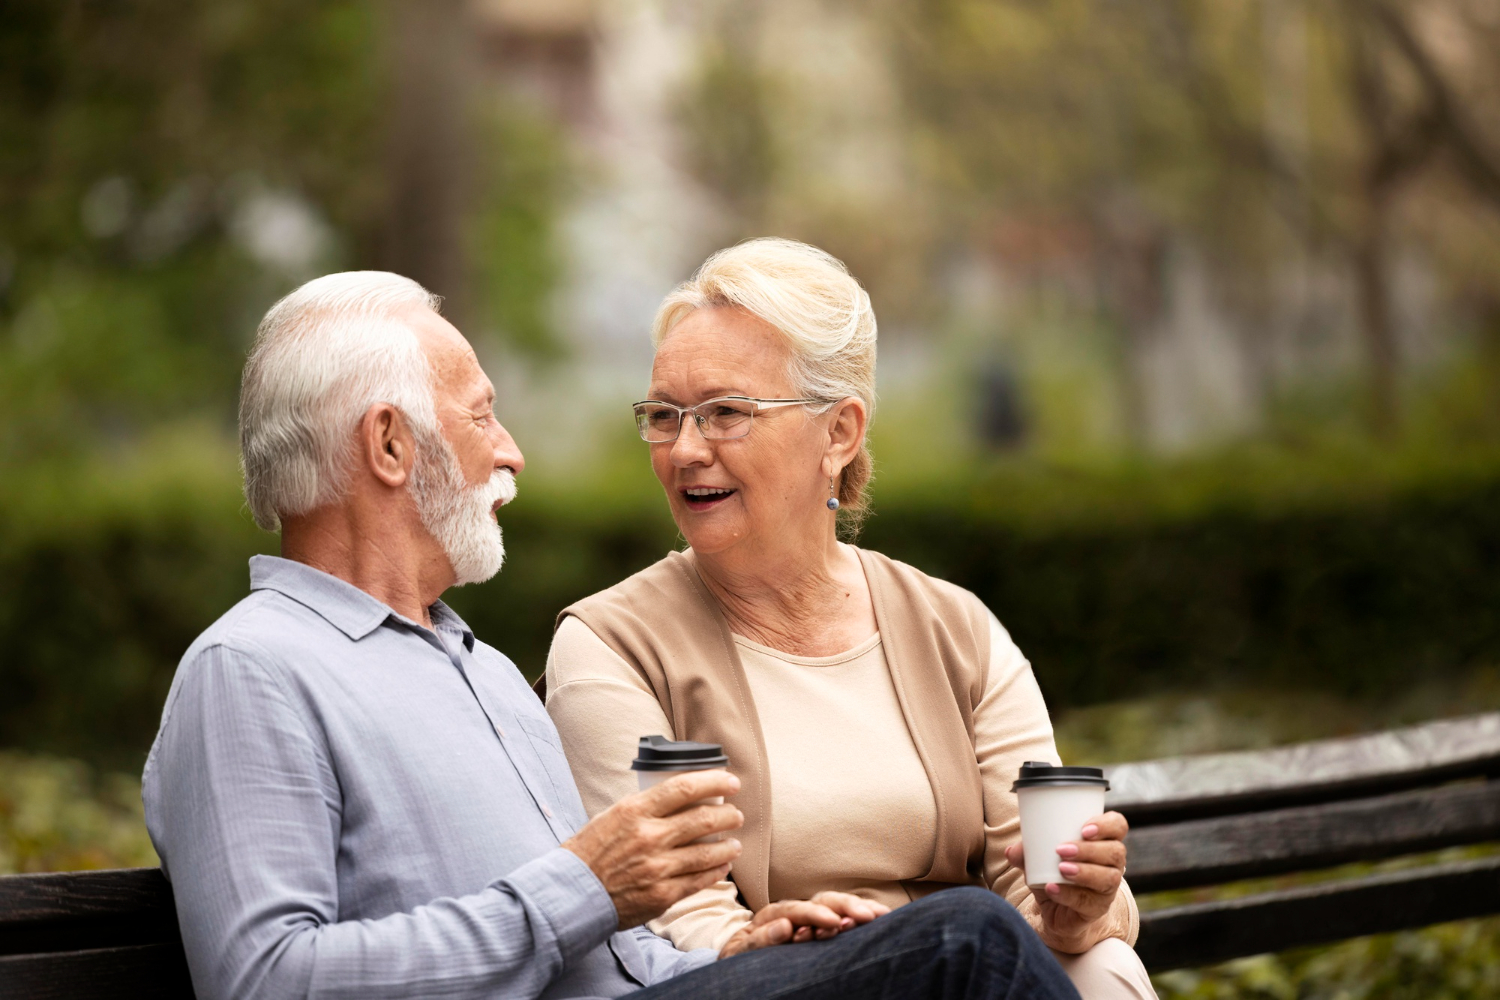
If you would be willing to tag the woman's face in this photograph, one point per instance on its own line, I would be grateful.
(768, 484)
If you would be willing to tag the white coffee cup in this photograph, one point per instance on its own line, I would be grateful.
(658, 758)
(1055, 804)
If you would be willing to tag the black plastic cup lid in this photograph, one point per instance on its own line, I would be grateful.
(1038, 773)
(657, 753)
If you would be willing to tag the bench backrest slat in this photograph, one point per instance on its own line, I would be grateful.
(1182, 788)
(68, 911)
(155, 971)
(1206, 933)
(1301, 838)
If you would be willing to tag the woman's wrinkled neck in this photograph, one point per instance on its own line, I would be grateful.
(807, 599)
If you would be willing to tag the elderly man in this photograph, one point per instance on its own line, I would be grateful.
(353, 797)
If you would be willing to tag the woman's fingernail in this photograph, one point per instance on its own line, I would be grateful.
(1053, 888)
(1067, 850)
(1091, 831)
(1068, 868)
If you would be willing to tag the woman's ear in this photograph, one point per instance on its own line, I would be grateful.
(386, 444)
(849, 419)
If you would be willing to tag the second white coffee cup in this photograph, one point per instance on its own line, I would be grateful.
(1055, 803)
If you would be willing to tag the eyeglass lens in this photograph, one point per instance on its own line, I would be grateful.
(718, 419)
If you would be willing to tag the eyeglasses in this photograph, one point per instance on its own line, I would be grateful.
(721, 419)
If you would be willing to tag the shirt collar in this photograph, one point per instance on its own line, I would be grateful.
(345, 607)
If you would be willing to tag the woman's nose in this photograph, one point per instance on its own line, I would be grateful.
(691, 447)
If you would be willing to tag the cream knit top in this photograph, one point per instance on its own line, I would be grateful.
(852, 806)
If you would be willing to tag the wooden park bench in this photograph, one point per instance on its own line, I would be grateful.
(1196, 821)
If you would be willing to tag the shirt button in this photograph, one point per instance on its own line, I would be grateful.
(546, 811)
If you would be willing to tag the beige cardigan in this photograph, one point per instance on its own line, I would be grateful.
(660, 635)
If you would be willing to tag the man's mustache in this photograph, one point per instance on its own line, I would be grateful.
(501, 487)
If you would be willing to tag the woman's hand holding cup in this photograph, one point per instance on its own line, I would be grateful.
(1094, 867)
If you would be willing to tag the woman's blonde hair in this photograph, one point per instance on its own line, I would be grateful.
(810, 297)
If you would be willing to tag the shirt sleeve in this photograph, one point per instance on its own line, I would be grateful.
(601, 707)
(245, 811)
(1011, 726)
(664, 960)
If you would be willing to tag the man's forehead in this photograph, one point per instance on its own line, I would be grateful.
(438, 337)
(451, 356)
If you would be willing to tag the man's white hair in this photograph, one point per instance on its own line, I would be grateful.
(322, 357)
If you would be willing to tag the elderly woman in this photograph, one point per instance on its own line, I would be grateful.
(876, 716)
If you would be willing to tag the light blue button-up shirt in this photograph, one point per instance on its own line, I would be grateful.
(351, 805)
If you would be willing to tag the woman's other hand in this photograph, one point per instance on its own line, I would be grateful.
(793, 921)
(1096, 866)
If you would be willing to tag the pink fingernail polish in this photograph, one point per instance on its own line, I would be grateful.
(1068, 868)
(1053, 888)
(1091, 831)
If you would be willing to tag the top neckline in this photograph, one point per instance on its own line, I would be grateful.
(810, 661)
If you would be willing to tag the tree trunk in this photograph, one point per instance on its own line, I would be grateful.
(432, 48)
(1371, 277)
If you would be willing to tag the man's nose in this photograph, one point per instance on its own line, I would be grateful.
(691, 447)
(507, 452)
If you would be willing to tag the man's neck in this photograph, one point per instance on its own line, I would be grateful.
(403, 568)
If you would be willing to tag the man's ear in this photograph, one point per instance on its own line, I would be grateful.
(387, 447)
(846, 433)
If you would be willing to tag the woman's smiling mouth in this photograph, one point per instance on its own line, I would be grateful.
(700, 498)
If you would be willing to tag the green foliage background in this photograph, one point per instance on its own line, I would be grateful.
(1114, 583)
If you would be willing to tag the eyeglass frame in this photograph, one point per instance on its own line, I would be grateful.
(699, 419)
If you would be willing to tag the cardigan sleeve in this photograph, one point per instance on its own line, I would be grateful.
(601, 707)
(1011, 726)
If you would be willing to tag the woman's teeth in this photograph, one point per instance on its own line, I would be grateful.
(706, 492)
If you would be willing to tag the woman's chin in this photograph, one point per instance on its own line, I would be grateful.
(708, 533)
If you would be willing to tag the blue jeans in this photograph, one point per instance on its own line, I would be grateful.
(959, 944)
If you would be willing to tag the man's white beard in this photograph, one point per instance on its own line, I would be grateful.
(458, 515)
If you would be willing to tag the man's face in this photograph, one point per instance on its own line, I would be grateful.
(461, 479)
(464, 399)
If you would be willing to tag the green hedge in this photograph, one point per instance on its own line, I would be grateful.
(99, 596)
(1359, 599)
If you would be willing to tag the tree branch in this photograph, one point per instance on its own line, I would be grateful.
(1480, 165)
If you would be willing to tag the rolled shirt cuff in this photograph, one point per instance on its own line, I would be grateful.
(571, 899)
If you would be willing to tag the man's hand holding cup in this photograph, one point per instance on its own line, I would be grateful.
(645, 848)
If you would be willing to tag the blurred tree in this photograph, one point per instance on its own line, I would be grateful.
(1259, 132)
(166, 169)
(513, 262)
(431, 157)
(1392, 66)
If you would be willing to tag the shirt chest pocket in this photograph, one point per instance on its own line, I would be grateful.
(549, 750)
(541, 729)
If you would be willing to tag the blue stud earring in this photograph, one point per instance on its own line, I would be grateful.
(833, 501)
